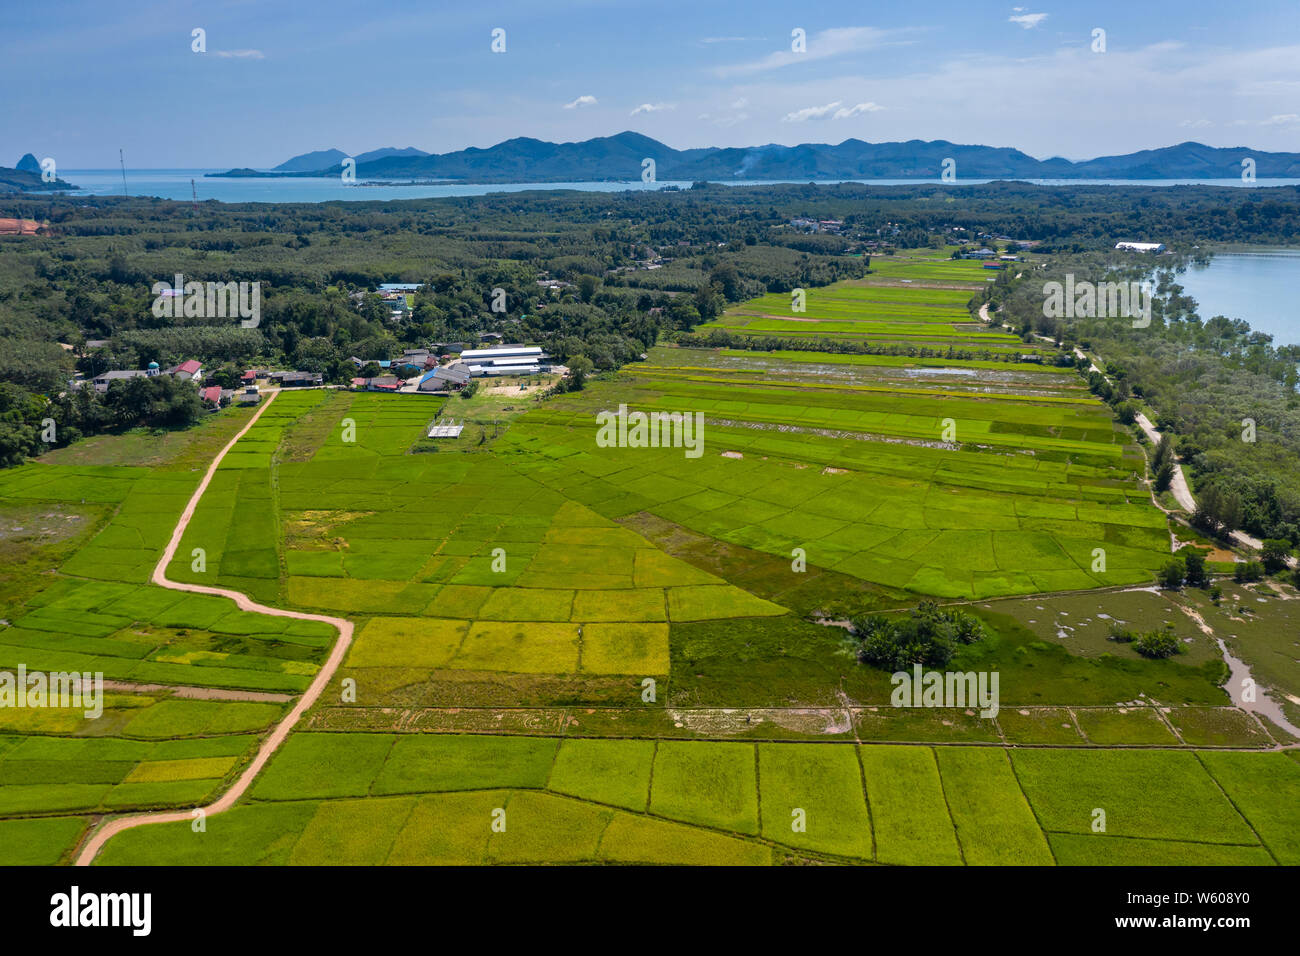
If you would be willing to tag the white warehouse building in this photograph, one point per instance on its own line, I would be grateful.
(505, 360)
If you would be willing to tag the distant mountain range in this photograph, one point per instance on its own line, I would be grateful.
(332, 158)
(619, 158)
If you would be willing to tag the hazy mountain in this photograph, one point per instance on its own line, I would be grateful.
(619, 158)
(28, 164)
(386, 152)
(331, 158)
(1191, 161)
(308, 162)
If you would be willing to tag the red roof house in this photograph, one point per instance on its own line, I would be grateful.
(188, 369)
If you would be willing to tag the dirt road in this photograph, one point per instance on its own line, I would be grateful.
(1178, 484)
(271, 744)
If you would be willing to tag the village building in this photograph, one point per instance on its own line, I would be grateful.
(505, 360)
(188, 371)
(444, 378)
(380, 383)
(297, 379)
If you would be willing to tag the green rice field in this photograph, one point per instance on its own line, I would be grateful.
(571, 653)
(422, 799)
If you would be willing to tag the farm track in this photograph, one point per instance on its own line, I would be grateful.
(281, 732)
(198, 693)
(735, 724)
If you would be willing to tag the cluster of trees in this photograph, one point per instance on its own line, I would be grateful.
(1154, 644)
(1188, 567)
(1162, 463)
(927, 635)
(31, 424)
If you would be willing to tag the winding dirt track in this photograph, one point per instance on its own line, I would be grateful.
(281, 731)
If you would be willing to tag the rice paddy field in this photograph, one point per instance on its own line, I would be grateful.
(569, 653)
(191, 682)
(909, 300)
(444, 799)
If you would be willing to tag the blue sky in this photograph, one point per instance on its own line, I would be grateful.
(282, 78)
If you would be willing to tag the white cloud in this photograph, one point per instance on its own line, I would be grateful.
(740, 104)
(724, 39)
(832, 110)
(810, 112)
(585, 100)
(1195, 124)
(239, 54)
(652, 108)
(1282, 119)
(834, 42)
(855, 110)
(1028, 20)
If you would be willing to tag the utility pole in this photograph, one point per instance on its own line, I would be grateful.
(122, 160)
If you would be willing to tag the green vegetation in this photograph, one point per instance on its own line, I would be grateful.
(927, 635)
(626, 654)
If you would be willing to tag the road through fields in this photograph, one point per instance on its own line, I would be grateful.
(282, 729)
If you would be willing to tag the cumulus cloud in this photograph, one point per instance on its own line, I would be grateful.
(810, 113)
(239, 54)
(851, 111)
(585, 100)
(652, 108)
(1027, 20)
(831, 110)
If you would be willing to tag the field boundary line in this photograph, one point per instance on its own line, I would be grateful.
(943, 792)
(866, 796)
(281, 731)
(1241, 813)
(1015, 775)
(1164, 718)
